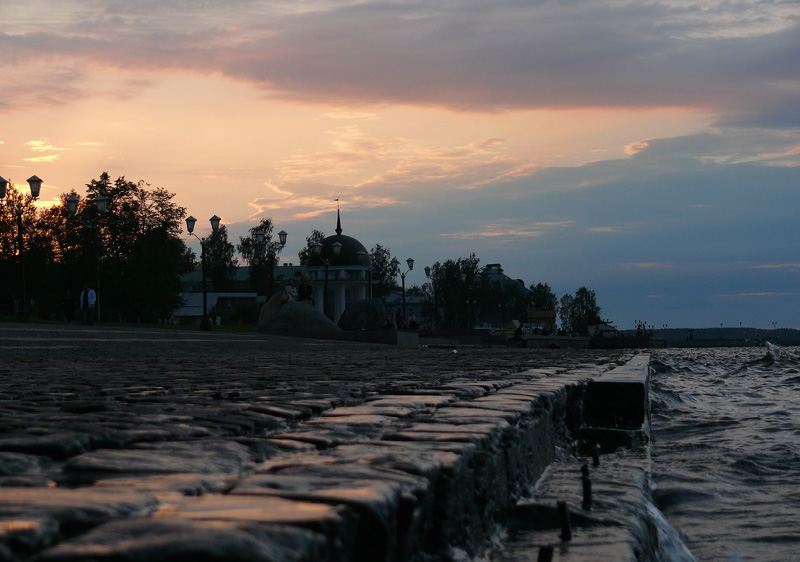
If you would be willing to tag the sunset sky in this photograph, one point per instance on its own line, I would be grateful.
(649, 150)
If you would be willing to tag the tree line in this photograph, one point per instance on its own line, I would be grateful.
(134, 254)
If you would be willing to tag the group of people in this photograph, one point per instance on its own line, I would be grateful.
(302, 293)
(400, 320)
(86, 303)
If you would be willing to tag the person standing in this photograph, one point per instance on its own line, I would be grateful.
(305, 291)
(88, 301)
(68, 306)
(290, 292)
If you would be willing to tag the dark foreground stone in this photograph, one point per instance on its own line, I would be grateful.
(139, 445)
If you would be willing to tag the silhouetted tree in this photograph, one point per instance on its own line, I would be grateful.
(384, 273)
(133, 253)
(579, 311)
(261, 256)
(311, 239)
(10, 264)
(458, 297)
(542, 297)
(220, 261)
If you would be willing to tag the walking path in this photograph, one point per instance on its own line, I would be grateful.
(125, 444)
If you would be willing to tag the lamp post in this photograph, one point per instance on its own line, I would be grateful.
(205, 323)
(435, 283)
(35, 184)
(336, 248)
(410, 262)
(261, 237)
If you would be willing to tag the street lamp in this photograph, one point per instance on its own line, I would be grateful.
(336, 247)
(435, 282)
(35, 184)
(205, 323)
(410, 262)
(261, 237)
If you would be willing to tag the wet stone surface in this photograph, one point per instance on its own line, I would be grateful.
(163, 445)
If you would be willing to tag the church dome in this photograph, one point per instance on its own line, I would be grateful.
(348, 256)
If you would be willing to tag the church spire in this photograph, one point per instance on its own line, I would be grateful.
(338, 219)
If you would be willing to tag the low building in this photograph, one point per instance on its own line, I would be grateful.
(192, 309)
(192, 282)
(494, 273)
(241, 293)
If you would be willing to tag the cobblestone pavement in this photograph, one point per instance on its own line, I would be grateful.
(108, 436)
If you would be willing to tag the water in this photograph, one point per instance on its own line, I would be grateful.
(726, 451)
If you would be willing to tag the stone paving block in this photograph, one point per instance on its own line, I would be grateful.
(475, 438)
(57, 444)
(464, 391)
(27, 481)
(411, 497)
(291, 445)
(371, 408)
(157, 540)
(326, 437)
(32, 518)
(261, 448)
(506, 403)
(336, 523)
(380, 501)
(13, 464)
(317, 405)
(462, 413)
(187, 484)
(291, 414)
(428, 402)
(435, 425)
(202, 456)
(365, 421)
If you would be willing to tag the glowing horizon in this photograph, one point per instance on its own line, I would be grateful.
(564, 140)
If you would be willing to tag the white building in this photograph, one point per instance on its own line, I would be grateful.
(346, 272)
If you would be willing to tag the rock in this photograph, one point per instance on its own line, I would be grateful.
(270, 307)
(293, 319)
(368, 314)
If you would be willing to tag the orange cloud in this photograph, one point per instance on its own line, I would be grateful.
(636, 147)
